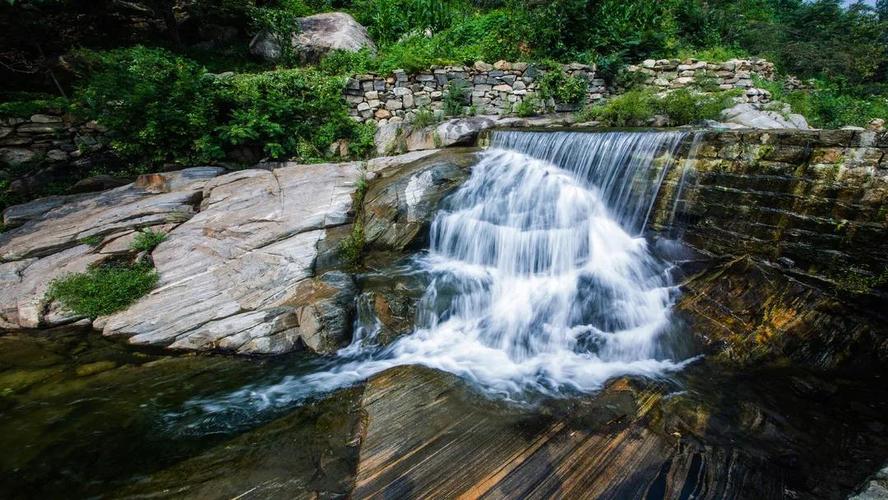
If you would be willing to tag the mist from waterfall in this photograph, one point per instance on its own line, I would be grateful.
(540, 280)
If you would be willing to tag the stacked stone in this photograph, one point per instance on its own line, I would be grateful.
(47, 137)
(491, 89)
(671, 74)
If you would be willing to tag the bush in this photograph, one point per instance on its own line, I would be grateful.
(630, 109)
(103, 290)
(829, 106)
(555, 84)
(284, 112)
(681, 107)
(389, 20)
(456, 97)
(684, 106)
(423, 118)
(280, 21)
(147, 240)
(158, 107)
(529, 106)
(23, 105)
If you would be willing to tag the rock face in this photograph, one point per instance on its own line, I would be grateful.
(750, 116)
(229, 275)
(399, 208)
(816, 198)
(318, 35)
(240, 269)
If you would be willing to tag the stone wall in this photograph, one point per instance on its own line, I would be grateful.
(813, 201)
(52, 137)
(671, 74)
(496, 89)
(492, 89)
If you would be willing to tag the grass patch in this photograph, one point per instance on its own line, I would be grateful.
(351, 248)
(680, 107)
(103, 290)
(147, 240)
(93, 241)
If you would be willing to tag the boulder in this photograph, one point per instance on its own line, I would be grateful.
(401, 205)
(317, 35)
(238, 276)
(749, 116)
(393, 138)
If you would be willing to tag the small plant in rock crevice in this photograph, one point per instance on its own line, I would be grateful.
(456, 97)
(352, 247)
(147, 240)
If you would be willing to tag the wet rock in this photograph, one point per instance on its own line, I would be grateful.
(751, 313)
(399, 206)
(325, 311)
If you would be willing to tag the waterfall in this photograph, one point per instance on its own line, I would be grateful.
(541, 282)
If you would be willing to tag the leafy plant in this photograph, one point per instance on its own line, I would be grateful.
(147, 240)
(23, 105)
(564, 89)
(157, 106)
(93, 241)
(280, 20)
(455, 97)
(423, 118)
(102, 290)
(529, 106)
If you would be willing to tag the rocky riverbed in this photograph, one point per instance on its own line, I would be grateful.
(779, 392)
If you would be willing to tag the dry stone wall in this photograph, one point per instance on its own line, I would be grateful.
(671, 74)
(497, 89)
(50, 137)
(491, 89)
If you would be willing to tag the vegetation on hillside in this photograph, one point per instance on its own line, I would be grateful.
(164, 94)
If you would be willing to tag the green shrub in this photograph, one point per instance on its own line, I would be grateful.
(23, 105)
(103, 290)
(684, 106)
(363, 142)
(423, 118)
(456, 97)
(829, 106)
(630, 109)
(157, 106)
(529, 106)
(681, 107)
(284, 112)
(555, 84)
(147, 240)
(347, 63)
(279, 19)
(389, 20)
(93, 241)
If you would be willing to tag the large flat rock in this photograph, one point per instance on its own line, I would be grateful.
(228, 275)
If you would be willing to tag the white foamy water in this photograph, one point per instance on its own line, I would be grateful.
(540, 280)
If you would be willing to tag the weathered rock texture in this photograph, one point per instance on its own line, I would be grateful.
(251, 259)
(317, 35)
(816, 201)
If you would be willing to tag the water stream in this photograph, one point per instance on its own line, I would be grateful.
(540, 282)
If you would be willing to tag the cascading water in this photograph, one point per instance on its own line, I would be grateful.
(539, 279)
